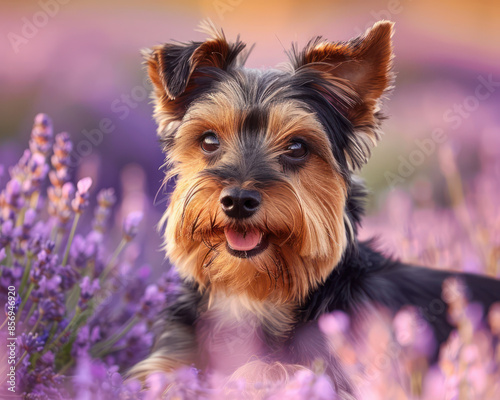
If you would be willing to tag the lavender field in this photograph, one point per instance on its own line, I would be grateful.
(81, 306)
(82, 273)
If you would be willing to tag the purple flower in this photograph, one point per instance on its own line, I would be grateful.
(59, 177)
(81, 200)
(61, 199)
(35, 244)
(13, 188)
(61, 158)
(17, 171)
(11, 276)
(94, 380)
(29, 218)
(30, 343)
(38, 168)
(68, 191)
(7, 229)
(87, 290)
(68, 276)
(41, 135)
(131, 223)
(15, 306)
(106, 199)
(12, 195)
(44, 263)
(83, 250)
(52, 308)
(85, 338)
(136, 343)
(151, 302)
(50, 286)
(35, 174)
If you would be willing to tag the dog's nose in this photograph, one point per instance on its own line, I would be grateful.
(239, 203)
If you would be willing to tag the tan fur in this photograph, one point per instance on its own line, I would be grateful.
(364, 65)
(303, 217)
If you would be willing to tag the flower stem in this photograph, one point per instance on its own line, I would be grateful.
(21, 359)
(34, 200)
(70, 239)
(40, 315)
(72, 299)
(30, 313)
(111, 262)
(68, 365)
(71, 323)
(26, 273)
(101, 348)
(20, 217)
(9, 258)
(26, 297)
(52, 332)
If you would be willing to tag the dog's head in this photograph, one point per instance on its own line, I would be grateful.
(263, 159)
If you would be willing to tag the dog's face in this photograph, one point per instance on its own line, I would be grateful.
(263, 159)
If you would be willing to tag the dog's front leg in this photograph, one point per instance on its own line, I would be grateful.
(176, 347)
(175, 342)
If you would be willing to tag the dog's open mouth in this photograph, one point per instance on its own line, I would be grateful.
(245, 244)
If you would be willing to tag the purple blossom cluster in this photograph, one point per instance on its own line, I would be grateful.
(84, 310)
(76, 315)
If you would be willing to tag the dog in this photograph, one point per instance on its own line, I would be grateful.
(262, 224)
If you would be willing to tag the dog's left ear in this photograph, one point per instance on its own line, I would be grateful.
(362, 68)
(182, 72)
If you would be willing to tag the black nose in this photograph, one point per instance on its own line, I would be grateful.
(239, 203)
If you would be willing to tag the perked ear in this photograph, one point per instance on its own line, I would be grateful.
(174, 68)
(363, 65)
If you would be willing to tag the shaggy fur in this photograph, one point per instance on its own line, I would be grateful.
(238, 309)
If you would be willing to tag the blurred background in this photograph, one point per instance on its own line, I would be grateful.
(79, 62)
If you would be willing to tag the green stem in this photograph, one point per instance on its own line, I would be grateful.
(20, 217)
(8, 253)
(52, 332)
(3, 323)
(56, 340)
(27, 296)
(53, 232)
(109, 265)
(34, 200)
(21, 359)
(115, 349)
(72, 299)
(70, 239)
(40, 315)
(26, 273)
(30, 313)
(68, 365)
(58, 240)
(102, 347)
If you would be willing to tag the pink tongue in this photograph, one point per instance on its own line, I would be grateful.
(242, 241)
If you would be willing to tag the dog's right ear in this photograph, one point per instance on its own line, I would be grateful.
(182, 72)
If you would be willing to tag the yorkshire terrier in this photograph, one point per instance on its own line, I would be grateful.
(262, 224)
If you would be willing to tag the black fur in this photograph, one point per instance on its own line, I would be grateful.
(365, 276)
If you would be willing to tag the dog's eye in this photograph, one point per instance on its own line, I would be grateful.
(296, 150)
(209, 142)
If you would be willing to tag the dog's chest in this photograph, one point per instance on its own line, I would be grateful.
(234, 329)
